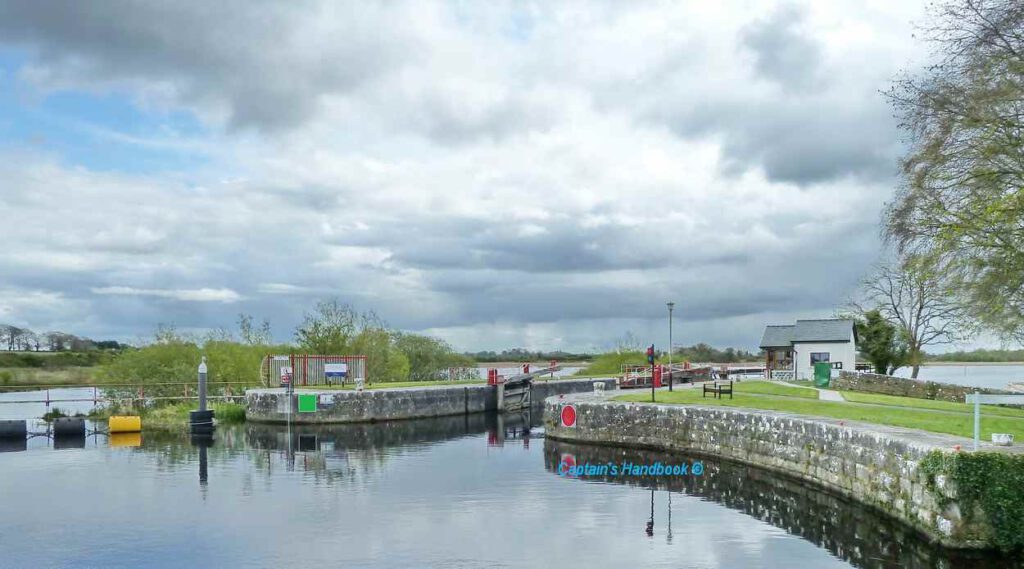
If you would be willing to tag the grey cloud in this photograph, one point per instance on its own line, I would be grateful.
(268, 63)
(783, 53)
(800, 141)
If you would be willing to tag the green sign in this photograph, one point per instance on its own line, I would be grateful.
(307, 402)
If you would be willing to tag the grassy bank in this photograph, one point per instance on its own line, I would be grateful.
(175, 416)
(31, 378)
(952, 418)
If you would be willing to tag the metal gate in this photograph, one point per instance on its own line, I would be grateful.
(306, 369)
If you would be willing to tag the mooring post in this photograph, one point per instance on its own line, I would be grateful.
(202, 385)
(977, 418)
(201, 420)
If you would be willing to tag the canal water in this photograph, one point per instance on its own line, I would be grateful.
(459, 492)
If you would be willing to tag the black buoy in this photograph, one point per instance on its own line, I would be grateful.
(13, 429)
(201, 422)
(69, 427)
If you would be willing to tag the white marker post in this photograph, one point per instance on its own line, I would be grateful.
(979, 398)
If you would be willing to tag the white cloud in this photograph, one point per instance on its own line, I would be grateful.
(193, 295)
(540, 171)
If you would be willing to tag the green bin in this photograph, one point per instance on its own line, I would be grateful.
(822, 374)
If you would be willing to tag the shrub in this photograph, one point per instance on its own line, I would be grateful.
(990, 480)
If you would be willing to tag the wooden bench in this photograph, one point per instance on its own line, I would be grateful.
(718, 390)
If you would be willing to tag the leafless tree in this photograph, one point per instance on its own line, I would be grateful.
(913, 295)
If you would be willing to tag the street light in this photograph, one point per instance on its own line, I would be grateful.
(671, 375)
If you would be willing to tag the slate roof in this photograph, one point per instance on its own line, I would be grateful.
(830, 330)
(778, 336)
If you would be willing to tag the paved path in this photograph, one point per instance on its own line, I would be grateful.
(829, 395)
(823, 394)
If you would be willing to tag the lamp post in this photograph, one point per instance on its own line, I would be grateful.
(671, 375)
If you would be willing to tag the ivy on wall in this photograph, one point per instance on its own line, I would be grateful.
(993, 481)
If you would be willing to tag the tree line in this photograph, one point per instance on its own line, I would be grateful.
(330, 328)
(17, 339)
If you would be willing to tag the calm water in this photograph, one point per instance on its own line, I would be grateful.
(993, 376)
(461, 492)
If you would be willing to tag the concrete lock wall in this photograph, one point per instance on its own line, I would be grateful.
(904, 387)
(876, 465)
(336, 406)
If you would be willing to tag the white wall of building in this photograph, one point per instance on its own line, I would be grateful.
(845, 352)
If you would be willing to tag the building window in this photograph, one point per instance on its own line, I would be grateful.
(817, 357)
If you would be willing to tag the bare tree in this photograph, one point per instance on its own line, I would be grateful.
(58, 341)
(913, 295)
(251, 333)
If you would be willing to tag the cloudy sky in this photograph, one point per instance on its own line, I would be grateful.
(544, 175)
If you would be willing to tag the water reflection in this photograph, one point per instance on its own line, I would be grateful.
(849, 531)
(463, 491)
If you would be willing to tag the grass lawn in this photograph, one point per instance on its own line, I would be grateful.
(768, 388)
(895, 401)
(910, 413)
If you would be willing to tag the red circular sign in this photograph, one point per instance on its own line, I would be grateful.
(568, 416)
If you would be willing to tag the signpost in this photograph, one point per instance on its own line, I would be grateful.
(650, 360)
(336, 372)
(979, 398)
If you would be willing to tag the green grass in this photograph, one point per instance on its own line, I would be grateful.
(895, 401)
(175, 416)
(923, 418)
(12, 377)
(768, 388)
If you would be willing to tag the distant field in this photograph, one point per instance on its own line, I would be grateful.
(11, 377)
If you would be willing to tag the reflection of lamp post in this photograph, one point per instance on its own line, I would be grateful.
(671, 375)
(668, 538)
(650, 523)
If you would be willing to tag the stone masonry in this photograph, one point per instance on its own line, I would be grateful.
(904, 387)
(873, 464)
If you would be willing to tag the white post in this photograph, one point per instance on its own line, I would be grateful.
(977, 418)
(202, 385)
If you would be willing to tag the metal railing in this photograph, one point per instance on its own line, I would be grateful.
(132, 392)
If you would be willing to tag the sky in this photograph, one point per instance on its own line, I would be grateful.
(543, 175)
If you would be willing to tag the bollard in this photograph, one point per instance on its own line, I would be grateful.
(202, 385)
(201, 421)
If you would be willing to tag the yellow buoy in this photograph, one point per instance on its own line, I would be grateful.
(126, 439)
(124, 424)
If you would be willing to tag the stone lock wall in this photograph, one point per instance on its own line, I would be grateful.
(878, 467)
(337, 406)
(904, 387)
